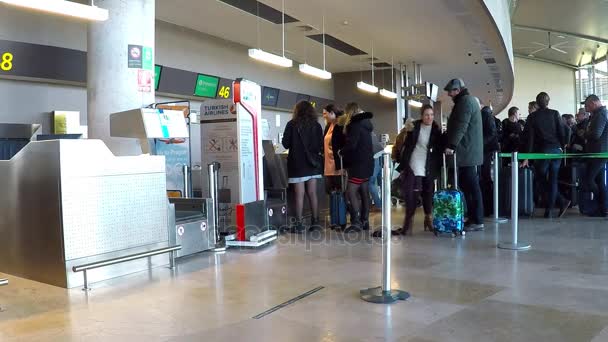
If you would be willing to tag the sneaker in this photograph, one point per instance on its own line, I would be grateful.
(474, 227)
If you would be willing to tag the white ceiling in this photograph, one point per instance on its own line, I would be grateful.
(570, 20)
(434, 33)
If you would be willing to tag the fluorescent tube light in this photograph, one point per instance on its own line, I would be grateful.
(316, 72)
(68, 8)
(388, 94)
(270, 58)
(367, 87)
(415, 103)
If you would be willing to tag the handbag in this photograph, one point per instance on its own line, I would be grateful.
(311, 158)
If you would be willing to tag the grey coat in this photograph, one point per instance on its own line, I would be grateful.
(465, 130)
(597, 132)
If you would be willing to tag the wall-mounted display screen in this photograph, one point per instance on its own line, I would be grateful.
(302, 97)
(206, 86)
(270, 97)
(158, 69)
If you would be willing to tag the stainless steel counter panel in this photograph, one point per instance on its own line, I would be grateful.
(31, 238)
(74, 200)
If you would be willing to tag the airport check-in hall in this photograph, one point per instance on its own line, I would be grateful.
(282, 170)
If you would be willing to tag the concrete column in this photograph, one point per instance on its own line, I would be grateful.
(111, 85)
(400, 88)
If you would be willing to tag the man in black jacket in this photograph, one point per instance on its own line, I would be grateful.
(597, 142)
(545, 132)
(490, 145)
(465, 137)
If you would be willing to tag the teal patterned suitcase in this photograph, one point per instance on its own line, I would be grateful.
(449, 206)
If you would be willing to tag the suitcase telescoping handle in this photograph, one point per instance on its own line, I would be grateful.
(445, 172)
(342, 173)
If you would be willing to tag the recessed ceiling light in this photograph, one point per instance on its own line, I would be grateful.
(345, 22)
(560, 36)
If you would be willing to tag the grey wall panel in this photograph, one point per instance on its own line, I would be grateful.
(27, 102)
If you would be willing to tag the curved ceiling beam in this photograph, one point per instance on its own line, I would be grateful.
(565, 65)
(574, 35)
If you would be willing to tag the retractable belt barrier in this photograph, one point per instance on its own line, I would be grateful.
(541, 156)
(515, 157)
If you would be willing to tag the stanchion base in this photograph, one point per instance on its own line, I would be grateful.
(514, 247)
(497, 220)
(378, 296)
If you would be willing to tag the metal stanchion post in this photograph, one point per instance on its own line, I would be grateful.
(515, 244)
(213, 168)
(384, 294)
(186, 173)
(496, 218)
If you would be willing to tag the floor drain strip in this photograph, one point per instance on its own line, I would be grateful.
(289, 302)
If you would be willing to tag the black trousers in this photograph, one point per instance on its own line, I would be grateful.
(487, 186)
(468, 178)
(595, 182)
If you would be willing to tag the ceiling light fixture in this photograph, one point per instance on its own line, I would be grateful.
(63, 7)
(367, 87)
(371, 88)
(271, 58)
(268, 57)
(390, 93)
(316, 72)
(415, 103)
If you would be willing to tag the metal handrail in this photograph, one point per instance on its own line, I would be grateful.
(93, 265)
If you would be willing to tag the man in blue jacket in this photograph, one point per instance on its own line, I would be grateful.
(597, 142)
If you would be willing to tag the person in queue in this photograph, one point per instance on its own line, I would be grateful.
(303, 137)
(376, 177)
(490, 145)
(353, 140)
(578, 142)
(545, 132)
(511, 131)
(532, 107)
(499, 127)
(597, 142)
(569, 120)
(465, 138)
(419, 163)
(332, 174)
(581, 115)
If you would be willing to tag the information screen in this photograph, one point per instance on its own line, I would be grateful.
(158, 69)
(206, 86)
(270, 97)
(166, 124)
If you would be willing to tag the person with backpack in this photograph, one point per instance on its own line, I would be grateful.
(352, 138)
(303, 137)
(597, 142)
(419, 164)
(545, 132)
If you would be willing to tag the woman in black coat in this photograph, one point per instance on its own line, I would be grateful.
(419, 164)
(353, 140)
(303, 137)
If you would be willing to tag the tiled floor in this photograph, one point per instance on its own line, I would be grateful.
(462, 290)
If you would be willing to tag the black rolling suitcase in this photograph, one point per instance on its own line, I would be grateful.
(569, 181)
(526, 192)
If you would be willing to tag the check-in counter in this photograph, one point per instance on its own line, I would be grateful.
(71, 202)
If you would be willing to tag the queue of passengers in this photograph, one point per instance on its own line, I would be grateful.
(348, 147)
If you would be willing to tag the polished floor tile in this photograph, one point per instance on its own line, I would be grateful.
(463, 289)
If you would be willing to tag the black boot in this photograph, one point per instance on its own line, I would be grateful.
(297, 226)
(315, 224)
